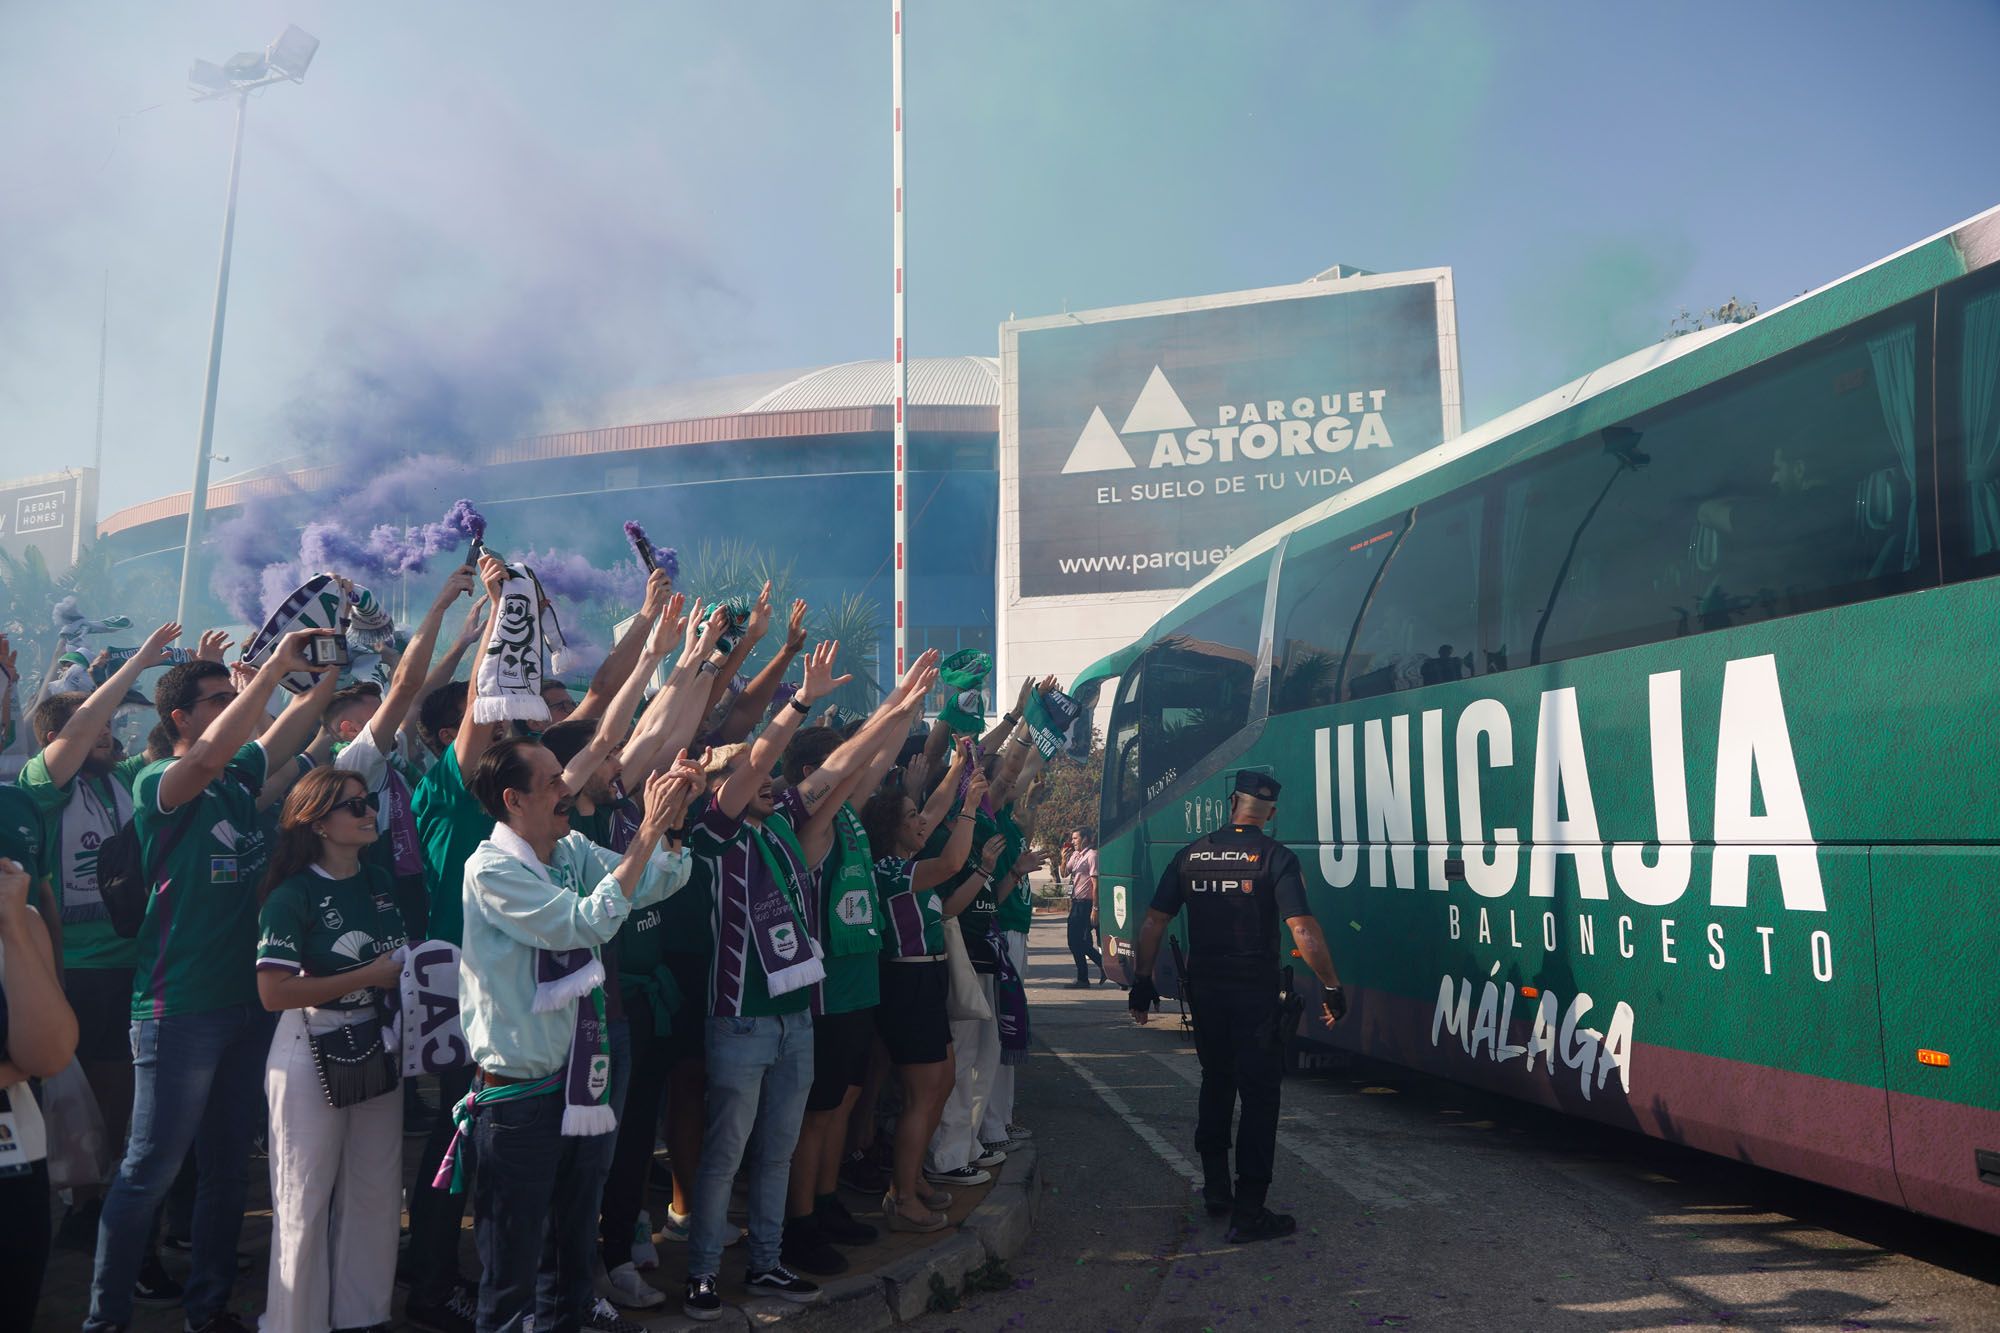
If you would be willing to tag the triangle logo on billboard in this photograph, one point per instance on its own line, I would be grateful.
(1098, 448)
(1158, 408)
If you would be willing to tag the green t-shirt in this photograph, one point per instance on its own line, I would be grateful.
(198, 942)
(853, 981)
(451, 824)
(76, 819)
(322, 926)
(1018, 911)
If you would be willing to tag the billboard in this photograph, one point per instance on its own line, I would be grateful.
(1148, 441)
(55, 514)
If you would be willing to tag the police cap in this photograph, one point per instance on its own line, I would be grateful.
(1260, 785)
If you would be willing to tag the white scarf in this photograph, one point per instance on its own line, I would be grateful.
(508, 682)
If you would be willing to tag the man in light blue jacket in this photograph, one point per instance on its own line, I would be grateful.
(539, 900)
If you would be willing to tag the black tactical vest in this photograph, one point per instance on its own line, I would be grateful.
(1228, 884)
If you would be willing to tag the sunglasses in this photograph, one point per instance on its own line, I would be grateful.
(358, 806)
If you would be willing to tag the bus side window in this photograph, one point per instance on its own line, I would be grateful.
(1420, 626)
(1969, 385)
(1787, 488)
(1320, 592)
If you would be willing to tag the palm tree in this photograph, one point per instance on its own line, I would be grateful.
(856, 621)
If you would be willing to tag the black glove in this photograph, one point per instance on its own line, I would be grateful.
(1336, 1002)
(1143, 995)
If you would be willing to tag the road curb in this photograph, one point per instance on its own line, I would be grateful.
(997, 1229)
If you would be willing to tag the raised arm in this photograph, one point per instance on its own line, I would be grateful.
(233, 727)
(1008, 721)
(863, 760)
(942, 796)
(734, 794)
(667, 795)
(407, 686)
(757, 695)
(469, 633)
(616, 669)
(616, 721)
(951, 857)
(670, 721)
(473, 739)
(725, 670)
(982, 875)
(65, 754)
(294, 727)
(860, 748)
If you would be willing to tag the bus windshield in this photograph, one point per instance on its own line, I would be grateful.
(1188, 692)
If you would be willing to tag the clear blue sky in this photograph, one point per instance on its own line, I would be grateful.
(481, 219)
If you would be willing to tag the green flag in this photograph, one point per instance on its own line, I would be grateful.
(962, 674)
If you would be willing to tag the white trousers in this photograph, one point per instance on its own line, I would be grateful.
(999, 1111)
(976, 1052)
(336, 1193)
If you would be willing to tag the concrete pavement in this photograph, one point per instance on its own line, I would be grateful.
(1425, 1205)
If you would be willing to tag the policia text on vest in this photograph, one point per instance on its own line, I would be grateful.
(1236, 884)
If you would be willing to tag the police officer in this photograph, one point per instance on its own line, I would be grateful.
(1236, 884)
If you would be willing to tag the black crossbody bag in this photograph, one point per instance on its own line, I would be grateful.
(355, 1063)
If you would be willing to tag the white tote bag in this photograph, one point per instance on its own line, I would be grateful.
(966, 1002)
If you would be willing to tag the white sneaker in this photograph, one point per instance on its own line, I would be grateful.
(676, 1230)
(633, 1292)
(645, 1255)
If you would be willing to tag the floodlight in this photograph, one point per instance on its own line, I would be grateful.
(292, 52)
(245, 67)
(208, 75)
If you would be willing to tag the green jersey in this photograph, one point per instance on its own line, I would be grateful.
(76, 819)
(853, 979)
(451, 824)
(198, 942)
(321, 926)
(1017, 912)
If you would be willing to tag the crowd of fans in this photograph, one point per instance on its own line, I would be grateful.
(682, 908)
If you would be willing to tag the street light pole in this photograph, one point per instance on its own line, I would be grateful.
(198, 499)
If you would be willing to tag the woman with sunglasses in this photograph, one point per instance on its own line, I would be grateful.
(331, 941)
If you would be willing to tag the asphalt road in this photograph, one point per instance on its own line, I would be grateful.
(1426, 1206)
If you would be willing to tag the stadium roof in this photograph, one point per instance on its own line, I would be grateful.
(946, 394)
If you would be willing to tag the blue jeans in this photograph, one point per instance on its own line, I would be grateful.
(759, 1072)
(529, 1188)
(198, 1082)
(568, 1257)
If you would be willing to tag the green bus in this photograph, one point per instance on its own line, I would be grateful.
(1643, 745)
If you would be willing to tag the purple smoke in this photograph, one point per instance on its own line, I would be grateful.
(256, 571)
(664, 557)
(568, 577)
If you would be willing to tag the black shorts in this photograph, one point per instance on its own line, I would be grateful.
(687, 1039)
(840, 1056)
(911, 1015)
(102, 1000)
